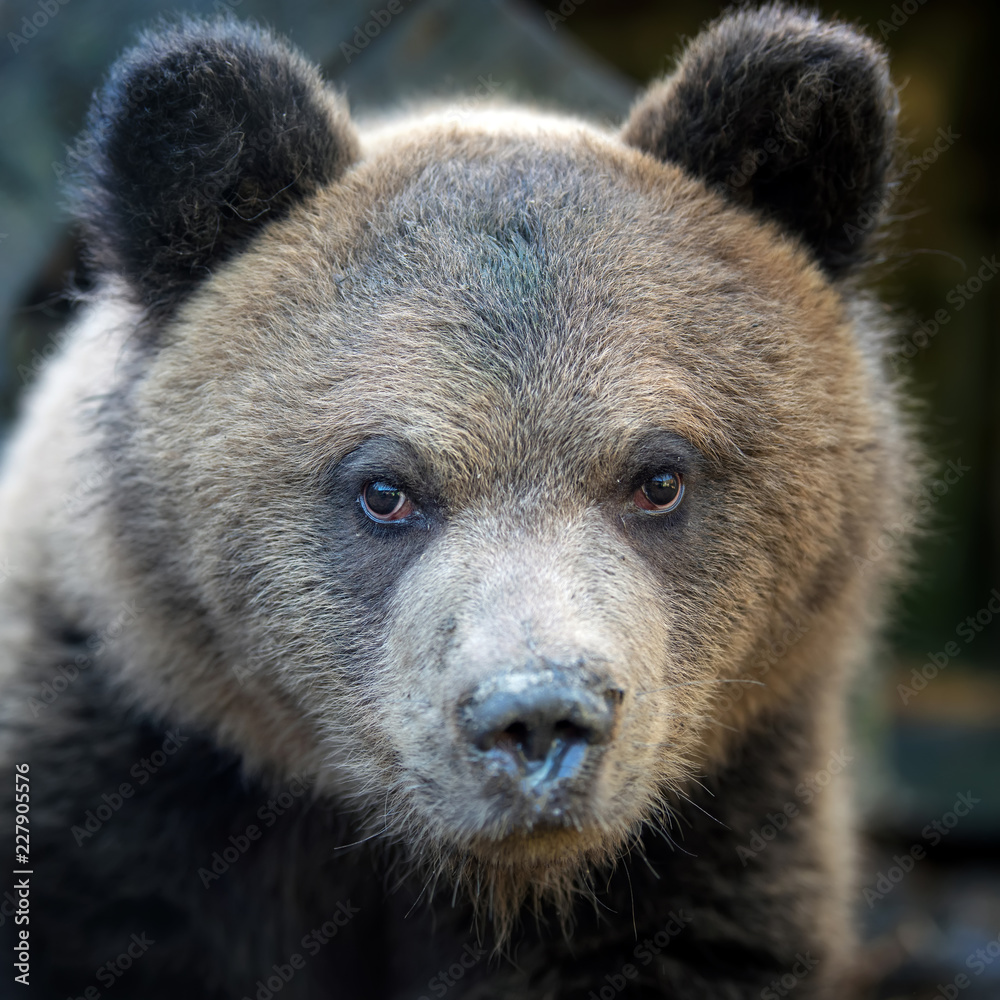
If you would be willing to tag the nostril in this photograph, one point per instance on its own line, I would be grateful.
(570, 732)
(536, 741)
(513, 738)
(531, 720)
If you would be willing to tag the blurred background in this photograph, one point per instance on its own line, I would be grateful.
(927, 717)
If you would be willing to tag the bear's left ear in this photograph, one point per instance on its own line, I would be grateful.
(202, 134)
(787, 114)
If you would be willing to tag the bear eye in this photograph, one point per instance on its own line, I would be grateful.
(383, 502)
(660, 493)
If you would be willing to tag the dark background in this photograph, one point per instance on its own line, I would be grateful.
(913, 759)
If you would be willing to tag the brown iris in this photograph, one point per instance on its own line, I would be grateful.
(660, 493)
(385, 503)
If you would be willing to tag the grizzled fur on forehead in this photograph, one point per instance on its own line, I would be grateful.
(550, 277)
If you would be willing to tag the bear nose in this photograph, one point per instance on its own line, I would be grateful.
(539, 728)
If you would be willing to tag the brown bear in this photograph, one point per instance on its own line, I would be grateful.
(432, 559)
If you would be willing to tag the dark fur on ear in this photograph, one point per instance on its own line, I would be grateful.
(791, 115)
(203, 132)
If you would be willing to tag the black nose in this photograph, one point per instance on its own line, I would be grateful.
(539, 726)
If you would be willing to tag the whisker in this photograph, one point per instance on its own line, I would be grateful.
(692, 802)
(631, 893)
(420, 894)
(364, 840)
(716, 680)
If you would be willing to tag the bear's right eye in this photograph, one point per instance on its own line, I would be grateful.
(383, 502)
(660, 494)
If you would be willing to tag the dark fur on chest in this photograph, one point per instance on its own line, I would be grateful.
(147, 837)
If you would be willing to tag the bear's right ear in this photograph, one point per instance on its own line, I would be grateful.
(202, 134)
(790, 115)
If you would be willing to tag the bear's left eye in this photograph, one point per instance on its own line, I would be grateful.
(383, 502)
(660, 493)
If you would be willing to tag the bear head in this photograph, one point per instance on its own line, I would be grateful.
(475, 465)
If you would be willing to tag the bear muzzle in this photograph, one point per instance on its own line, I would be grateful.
(538, 738)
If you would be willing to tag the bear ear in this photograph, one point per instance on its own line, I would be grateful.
(202, 134)
(785, 113)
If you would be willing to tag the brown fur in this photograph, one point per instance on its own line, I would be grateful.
(793, 415)
(665, 308)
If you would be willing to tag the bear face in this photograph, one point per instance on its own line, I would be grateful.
(518, 373)
(475, 468)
